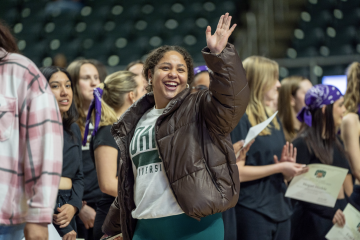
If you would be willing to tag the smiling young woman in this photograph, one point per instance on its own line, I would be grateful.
(71, 187)
(86, 77)
(177, 162)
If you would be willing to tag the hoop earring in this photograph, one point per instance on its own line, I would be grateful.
(187, 86)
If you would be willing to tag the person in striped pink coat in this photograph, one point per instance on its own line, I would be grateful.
(31, 143)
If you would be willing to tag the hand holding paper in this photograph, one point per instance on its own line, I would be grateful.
(240, 150)
(320, 185)
(351, 229)
(252, 134)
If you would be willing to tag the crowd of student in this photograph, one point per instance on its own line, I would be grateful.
(149, 151)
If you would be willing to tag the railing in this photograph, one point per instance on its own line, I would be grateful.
(315, 62)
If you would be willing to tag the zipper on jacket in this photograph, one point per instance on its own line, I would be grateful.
(212, 178)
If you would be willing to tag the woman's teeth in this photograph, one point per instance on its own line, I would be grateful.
(172, 84)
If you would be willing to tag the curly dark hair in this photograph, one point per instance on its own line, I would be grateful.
(158, 53)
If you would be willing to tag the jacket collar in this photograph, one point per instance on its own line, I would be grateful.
(130, 118)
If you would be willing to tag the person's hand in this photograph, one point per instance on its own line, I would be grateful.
(36, 231)
(66, 213)
(339, 218)
(70, 236)
(290, 169)
(217, 42)
(105, 236)
(288, 154)
(238, 148)
(87, 216)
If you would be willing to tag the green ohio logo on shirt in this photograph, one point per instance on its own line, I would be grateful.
(143, 151)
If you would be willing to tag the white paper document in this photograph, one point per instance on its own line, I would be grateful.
(254, 131)
(351, 229)
(320, 185)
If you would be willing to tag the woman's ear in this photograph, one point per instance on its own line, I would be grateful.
(149, 75)
(323, 109)
(292, 101)
(131, 96)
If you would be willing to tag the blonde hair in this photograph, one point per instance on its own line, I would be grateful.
(261, 73)
(117, 85)
(289, 87)
(74, 71)
(352, 95)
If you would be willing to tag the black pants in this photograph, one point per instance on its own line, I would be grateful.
(101, 213)
(82, 232)
(62, 198)
(251, 225)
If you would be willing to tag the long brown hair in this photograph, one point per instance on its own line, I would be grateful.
(74, 71)
(289, 87)
(7, 40)
(261, 73)
(322, 147)
(352, 95)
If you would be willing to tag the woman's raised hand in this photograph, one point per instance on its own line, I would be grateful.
(288, 154)
(217, 42)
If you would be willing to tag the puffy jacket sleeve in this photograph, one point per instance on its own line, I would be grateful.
(111, 224)
(226, 102)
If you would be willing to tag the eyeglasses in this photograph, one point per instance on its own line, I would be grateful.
(200, 87)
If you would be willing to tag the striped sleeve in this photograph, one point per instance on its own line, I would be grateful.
(43, 149)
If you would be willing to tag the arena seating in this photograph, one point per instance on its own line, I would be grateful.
(327, 28)
(114, 32)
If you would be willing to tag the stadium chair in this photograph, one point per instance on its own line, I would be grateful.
(70, 49)
(62, 32)
(6, 5)
(121, 29)
(342, 50)
(30, 31)
(321, 5)
(343, 36)
(10, 16)
(308, 52)
(36, 50)
(321, 19)
(83, 30)
(349, 18)
(348, 6)
(314, 37)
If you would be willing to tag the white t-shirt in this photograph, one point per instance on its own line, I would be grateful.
(152, 193)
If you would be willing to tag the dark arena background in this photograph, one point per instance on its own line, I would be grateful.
(312, 38)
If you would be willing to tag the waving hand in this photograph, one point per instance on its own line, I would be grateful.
(217, 42)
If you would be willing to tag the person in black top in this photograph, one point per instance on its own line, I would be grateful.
(317, 143)
(111, 99)
(262, 211)
(71, 187)
(85, 77)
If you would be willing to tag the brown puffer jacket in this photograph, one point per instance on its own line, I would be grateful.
(193, 142)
